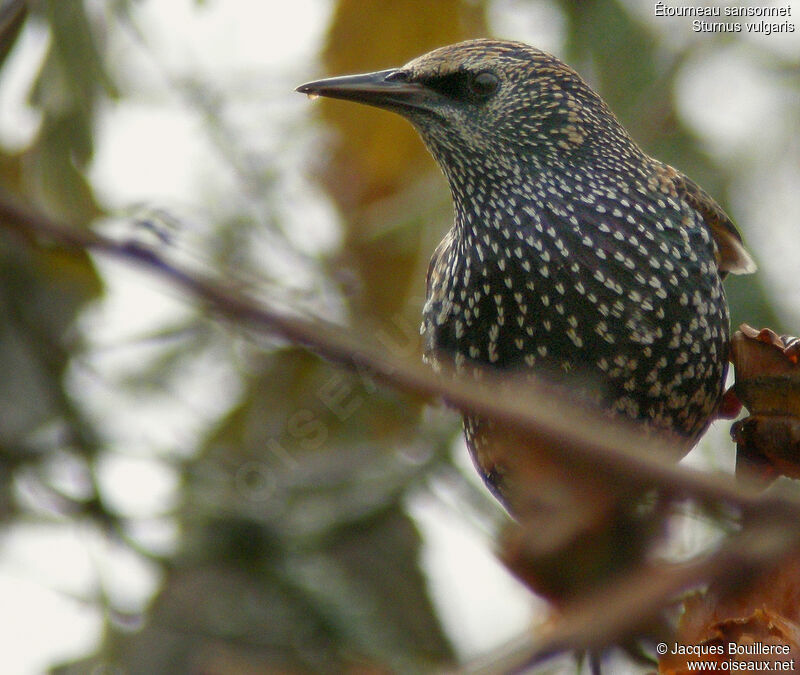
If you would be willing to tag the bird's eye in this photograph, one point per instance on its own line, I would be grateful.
(461, 85)
(484, 84)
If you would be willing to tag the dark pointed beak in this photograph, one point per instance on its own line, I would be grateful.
(383, 89)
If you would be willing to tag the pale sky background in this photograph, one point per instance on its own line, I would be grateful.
(151, 148)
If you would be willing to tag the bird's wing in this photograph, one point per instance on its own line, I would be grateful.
(439, 253)
(434, 297)
(732, 256)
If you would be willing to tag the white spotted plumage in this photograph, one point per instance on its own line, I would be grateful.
(579, 237)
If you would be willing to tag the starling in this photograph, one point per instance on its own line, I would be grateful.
(573, 254)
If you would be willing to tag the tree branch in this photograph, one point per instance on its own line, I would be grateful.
(585, 434)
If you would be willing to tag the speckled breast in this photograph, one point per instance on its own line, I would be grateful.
(616, 290)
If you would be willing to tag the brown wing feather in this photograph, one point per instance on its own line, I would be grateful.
(732, 256)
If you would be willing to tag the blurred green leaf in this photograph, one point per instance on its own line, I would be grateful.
(43, 290)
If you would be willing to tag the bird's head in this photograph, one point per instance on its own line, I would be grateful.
(488, 99)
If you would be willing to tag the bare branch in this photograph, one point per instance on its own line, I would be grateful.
(583, 433)
(630, 603)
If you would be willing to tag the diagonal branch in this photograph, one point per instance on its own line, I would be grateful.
(585, 434)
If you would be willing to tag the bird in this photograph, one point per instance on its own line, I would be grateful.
(573, 255)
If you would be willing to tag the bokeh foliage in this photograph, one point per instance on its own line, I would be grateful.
(43, 291)
(295, 549)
